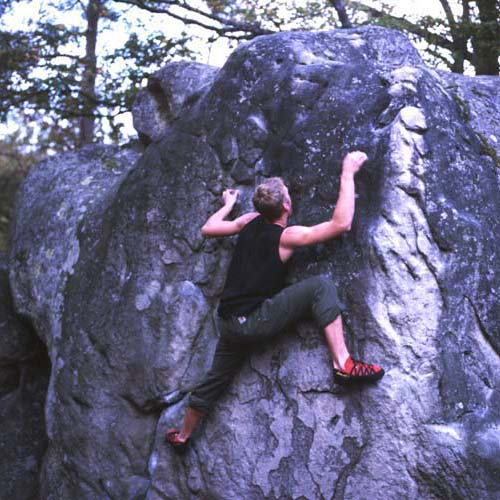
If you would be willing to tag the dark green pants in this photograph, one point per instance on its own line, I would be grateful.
(314, 298)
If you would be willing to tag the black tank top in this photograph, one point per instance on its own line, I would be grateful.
(256, 271)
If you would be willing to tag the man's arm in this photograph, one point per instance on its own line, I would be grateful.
(298, 236)
(217, 226)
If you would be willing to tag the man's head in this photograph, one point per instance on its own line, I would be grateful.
(271, 199)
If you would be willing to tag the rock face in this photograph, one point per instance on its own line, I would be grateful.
(108, 262)
(9, 182)
(24, 375)
(169, 91)
(479, 100)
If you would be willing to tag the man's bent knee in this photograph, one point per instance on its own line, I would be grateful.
(327, 305)
(199, 404)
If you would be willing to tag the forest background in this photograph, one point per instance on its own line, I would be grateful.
(69, 69)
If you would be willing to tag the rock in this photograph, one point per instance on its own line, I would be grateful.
(413, 119)
(170, 92)
(24, 374)
(10, 179)
(113, 272)
(479, 100)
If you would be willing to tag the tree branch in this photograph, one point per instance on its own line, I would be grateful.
(407, 25)
(69, 56)
(449, 14)
(227, 25)
(340, 7)
(465, 12)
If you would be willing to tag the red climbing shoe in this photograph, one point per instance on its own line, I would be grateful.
(172, 437)
(357, 371)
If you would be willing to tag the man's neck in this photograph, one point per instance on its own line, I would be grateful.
(282, 221)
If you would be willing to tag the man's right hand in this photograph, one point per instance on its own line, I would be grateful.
(353, 161)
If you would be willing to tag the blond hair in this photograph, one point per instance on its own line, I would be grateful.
(269, 197)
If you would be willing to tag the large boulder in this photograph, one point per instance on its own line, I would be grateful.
(24, 376)
(59, 197)
(479, 100)
(109, 264)
(10, 179)
(169, 93)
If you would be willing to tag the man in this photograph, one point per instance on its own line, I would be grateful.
(255, 306)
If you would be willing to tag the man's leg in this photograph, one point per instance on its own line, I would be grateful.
(313, 298)
(189, 424)
(227, 359)
(334, 334)
(345, 368)
(316, 297)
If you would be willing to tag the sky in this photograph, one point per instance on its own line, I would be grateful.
(25, 13)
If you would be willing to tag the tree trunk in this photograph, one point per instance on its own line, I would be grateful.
(339, 6)
(486, 38)
(458, 36)
(88, 94)
(461, 34)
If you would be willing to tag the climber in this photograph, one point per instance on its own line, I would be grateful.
(255, 306)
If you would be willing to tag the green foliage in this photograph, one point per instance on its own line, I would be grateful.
(153, 52)
(466, 35)
(42, 70)
(124, 70)
(15, 164)
(4, 5)
(41, 74)
(277, 14)
(33, 73)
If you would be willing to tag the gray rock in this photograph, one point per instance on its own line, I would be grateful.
(124, 300)
(10, 179)
(479, 100)
(170, 92)
(24, 374)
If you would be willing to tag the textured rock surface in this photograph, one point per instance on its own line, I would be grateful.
(479, 99)
(169, 92)
(24, 375)
(60, 198)
(124, 301)
(9, 182)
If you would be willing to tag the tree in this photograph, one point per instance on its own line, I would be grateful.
(451, 39)
(340, 7)
(472, 36)
(87, 121)
(485, 37)
(14, 165)
(57, 76)
(242, 19)
(4, 5)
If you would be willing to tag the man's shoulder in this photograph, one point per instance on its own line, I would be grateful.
(251, 219)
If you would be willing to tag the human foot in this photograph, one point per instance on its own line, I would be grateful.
(357, 371)
(178, 444)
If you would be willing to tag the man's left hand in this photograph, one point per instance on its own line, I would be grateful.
(230, 196)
